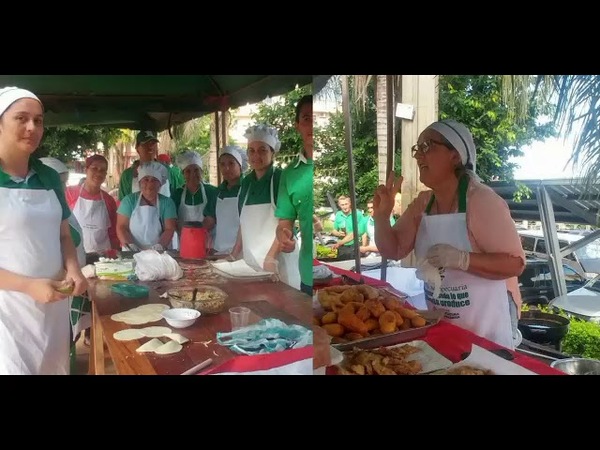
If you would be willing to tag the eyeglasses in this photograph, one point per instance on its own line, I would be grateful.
(425, 146)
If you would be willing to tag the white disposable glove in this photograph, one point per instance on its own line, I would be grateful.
(448, 257)
(158, 248)
(271, 265)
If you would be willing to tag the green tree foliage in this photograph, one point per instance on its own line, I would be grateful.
(282, 115)
(331, 170)
(476, 101)
(70, 142)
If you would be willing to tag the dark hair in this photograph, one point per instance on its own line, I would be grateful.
(307, 99)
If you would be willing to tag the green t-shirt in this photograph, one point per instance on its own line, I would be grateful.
(197, 198)
(40, 176)
(166, 205)
(295, 201)
(176, 177)
(223, 191)
(345, 221)
(259, 191)
(127, 179)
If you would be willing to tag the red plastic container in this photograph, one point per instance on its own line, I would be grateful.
(192, 244)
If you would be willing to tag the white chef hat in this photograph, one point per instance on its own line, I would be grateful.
(189, 157)
(461, 139)
(264, 133)
(55, 164)
(240, 155)
(153, 169)
(9, 95)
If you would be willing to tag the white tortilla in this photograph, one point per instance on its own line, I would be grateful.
(168, 348)
(154, 332)
(128, 335)
(149, 346)
(177, 338)
(152, 307)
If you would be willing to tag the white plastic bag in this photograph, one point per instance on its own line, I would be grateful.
(151, 266)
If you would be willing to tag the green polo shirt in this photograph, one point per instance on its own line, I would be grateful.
(345, 221)
(40, 176)
(127, 179)
(166, 205)
(295, 201)
(223, 191)
(259, 191)
(176, 177)
(197, 198)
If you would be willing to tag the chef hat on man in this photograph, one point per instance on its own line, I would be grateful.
(189, 157)
(461, 139)
(9, 95)
(153, 169)
(55, 164)
(264, 133)
(240, 155)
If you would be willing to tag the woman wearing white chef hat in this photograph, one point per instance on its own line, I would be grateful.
(224, 215)
(36, 247)
(147, 219)
(259, 245)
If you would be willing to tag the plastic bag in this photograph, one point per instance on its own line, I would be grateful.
(151, 266)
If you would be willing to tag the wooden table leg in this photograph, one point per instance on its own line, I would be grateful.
(96, 364)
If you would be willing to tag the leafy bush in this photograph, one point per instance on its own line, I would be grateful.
(583, 338)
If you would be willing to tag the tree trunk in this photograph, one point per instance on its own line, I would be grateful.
(224, 119)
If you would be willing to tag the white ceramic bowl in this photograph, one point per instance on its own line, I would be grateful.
(181, 317)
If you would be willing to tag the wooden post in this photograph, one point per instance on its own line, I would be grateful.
(422, 92)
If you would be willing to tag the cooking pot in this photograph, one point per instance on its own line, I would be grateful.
(540, 327)
(578, 366)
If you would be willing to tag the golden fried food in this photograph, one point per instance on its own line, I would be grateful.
(363, 313)
(468, 370)
(330, 317)
(334, 329)
(369, 292)
(381, 361)
(316, 321)
(338, 340)
(405, 325)
(387, 322)
(338, 289)
(372, 324)
(352, 323)
(376, 307)
(407, 313)
(399, 318)
(418, 322)
(392, 304)
(352, 295)
(326, 298)
(348, 308)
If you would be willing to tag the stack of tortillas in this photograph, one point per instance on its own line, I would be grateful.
(145, 314)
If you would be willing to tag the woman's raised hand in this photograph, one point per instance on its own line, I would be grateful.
(385, 194)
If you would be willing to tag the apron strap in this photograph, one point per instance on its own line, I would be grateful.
(463, 185)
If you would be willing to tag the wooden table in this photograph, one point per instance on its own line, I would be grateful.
(264, 298)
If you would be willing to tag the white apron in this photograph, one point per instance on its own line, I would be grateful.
(258, 225)
(144, 224)
(371, 230)
(164, 189)
(228, 223)
(80, 308)
(34, 337)
(469, 301)
(93, 217)
(188, 213)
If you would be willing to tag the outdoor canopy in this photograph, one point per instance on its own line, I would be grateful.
(154, 102)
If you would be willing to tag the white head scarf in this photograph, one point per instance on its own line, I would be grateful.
(264, 133)
(239, 155)
(55, 164)
(9, 95)
(461, 139)
(187, 158)
(153, 169)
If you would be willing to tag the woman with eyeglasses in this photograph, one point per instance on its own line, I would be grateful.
(95, 209)
(462, 227)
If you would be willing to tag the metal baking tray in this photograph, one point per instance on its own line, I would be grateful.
(383, 340)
